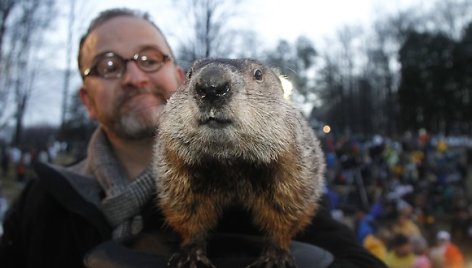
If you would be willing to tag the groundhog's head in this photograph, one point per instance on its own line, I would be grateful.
(227, 109)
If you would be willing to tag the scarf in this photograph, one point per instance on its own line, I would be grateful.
(124, 197)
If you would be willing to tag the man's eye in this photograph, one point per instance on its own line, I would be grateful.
(108, 66)
(148, 61)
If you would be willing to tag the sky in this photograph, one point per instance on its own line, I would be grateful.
(271, 20)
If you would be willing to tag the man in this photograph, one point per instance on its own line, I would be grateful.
(68, 211)
(446, 253)
(94, 211)
(401, 255)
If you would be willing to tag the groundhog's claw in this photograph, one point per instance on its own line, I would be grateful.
(274, 259)
(190, 257)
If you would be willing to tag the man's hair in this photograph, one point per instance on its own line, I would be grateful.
(109, 14)
(399, 240)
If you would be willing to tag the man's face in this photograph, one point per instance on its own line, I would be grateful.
(403, 250)
(128, 107)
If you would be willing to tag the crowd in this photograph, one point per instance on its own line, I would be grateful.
(21, 160)
(407, 198)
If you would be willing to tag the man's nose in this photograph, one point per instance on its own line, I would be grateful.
(134, 76)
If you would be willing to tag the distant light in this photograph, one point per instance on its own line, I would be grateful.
(326, 129)
(287, 86)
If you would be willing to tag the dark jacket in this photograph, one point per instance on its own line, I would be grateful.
(53, 225)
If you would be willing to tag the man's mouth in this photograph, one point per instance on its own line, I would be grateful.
(142, 102)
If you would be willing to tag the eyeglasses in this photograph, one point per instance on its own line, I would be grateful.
(109, 65)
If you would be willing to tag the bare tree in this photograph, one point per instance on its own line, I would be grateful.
(296, 62)
(382, 56)
(20, 64)
(451, 16)
(78, 12)
(6, 8)
(348, 38)
(210, 33)
(331, 93)
(67, 72)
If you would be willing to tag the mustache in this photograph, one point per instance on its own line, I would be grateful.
(131, 92)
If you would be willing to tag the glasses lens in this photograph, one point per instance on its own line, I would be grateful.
(150, 59)
(110, 66)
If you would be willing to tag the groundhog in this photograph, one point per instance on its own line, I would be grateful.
(228, 136)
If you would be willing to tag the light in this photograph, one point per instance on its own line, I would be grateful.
(326, 129)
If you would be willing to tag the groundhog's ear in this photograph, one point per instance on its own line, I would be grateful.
(277, 72)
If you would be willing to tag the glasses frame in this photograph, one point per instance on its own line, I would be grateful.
(92, 71)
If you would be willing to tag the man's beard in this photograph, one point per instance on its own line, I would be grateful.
(132, 125)
(131, 128)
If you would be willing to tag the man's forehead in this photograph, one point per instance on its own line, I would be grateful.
(123, 35)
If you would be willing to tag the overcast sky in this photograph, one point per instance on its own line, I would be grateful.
(271, 20)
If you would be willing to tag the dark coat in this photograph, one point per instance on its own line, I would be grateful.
(52, 225)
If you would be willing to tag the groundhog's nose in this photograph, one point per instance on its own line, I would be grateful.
(213, 83)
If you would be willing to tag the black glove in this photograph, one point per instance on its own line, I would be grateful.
(224, 250)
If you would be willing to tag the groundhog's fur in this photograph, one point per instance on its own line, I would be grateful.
(228, 136)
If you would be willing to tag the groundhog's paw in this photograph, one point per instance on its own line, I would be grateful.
(274, 259)
(190, 257)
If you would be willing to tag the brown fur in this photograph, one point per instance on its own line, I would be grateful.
(247, 145)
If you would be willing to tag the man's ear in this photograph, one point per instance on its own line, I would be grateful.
(87, 102)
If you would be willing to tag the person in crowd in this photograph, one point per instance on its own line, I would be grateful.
(5, 158)
(446, 253)
(404, 224)
(401, 254)
(20, 168)
(376, 242)
(365, 224)
(420, 248)
(101, 211)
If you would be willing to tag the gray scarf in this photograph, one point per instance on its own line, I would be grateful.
(124, 197)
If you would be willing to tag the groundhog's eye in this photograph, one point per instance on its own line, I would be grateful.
(258, 75)
(189, 73)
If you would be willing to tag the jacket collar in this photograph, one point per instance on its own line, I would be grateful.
(78, 193)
